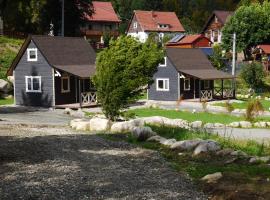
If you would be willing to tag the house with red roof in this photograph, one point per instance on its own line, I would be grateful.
(190, 41)
(145, 22)
(103, 21)
(213, 27)
(262, 53)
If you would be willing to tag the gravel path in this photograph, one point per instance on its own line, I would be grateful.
(57, 163)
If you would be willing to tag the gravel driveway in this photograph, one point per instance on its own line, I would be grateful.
(57, 163)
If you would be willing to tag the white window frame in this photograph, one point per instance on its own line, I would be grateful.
(163, 89)
(206, 86)
(62, 88)
(28, 55)
(187, 88)
(32, 90)
(135, 25)
(163, 64)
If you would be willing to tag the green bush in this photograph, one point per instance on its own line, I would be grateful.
(254, 107)
(253, 74)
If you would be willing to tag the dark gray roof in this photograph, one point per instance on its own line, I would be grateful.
(71, 54)
(194, 63)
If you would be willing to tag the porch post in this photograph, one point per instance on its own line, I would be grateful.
(194, 88)
(222, 88)
(200, 95)
(80, 93)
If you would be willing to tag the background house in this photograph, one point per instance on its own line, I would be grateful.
(104, 21)
(262, 54)
(189, 74)
(49, 71)
(145, 22)
(214, 25)
(190, 41)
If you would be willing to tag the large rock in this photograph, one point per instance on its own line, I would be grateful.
(245, 124)
(142, 133)
(206, 146)
(68, 111)
(260, 124)
(168, 142)
(78, 114)
(126, 126)
(209, 126)
(239, 153)
(234, 124)
(80, 124)
(219, 125)
(11, 79)
(196, 124)
(156, 120)
(254, 160)
(180, 123)
(99, 124)
(156, 138)
(212, 178)
(224, 152)
(186, 145)
(4, 85)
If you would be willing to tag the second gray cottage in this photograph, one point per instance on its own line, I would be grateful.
(188, 74)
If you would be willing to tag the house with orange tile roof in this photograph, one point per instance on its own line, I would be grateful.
(103, 21)
(190, 41)
(143, 23)
(262, 53)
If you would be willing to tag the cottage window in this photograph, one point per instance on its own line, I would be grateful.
(33, 83)
(163, 26)
(163, 84)
(32, 54)
(187, 84)
(206, 84)
(65, 84)
(164, 62)
(135, 25)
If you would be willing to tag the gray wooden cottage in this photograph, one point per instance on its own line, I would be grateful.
(188, 73)
(54, 71)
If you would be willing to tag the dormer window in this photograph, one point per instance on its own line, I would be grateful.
(32, 54)
(163, 63)
(163, 26)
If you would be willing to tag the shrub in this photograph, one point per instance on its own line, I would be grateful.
(204, 105)
(254, 108)
(253, 75)
(123, 69)
(229, 107)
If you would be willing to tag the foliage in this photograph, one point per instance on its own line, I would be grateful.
(204, 105)
(123, 69)
(229, 107)
(217, 59)
(254, 108)
(6, 101)
(253, 74)
(251, 23)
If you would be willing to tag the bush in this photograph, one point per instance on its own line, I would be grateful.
(254, 108)
(253, 75)
(123, 69)
(229, 107)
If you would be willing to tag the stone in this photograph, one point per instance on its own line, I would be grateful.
(73, 123)
(268, 124)
(230, 161)
(206, 146)
(186, 145)
(260, 124)
(82, 126)
(245, 124)
(67, 111)
(168, 142)
(219, 125)
(212, 178)
(156, 120)
(142, 133)
(254, 160)
(180, 123)
(3, 86)
(201, 148)
(234, 124)
(78, 114)
(10, 79)
(196, 124)
(126, 126)
(209, 126)
(239, 153)
(224, 152)
(99, 124)
(156, 138)
(213, 145)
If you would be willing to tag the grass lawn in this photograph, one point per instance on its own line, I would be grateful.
(6, 101)
(201, 116)
(265, 103)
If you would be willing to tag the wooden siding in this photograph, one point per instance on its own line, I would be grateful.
(165, 72)
(131, 28)
(38, 68)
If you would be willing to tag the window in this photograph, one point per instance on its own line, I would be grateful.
(163, 84)
(163, 26)
(32, 54)
(135, 25)
(65, 84)
(164, 62)
(206, 84)
(187, 84)
(33, 83)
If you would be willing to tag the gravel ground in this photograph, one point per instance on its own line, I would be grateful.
(40, 162)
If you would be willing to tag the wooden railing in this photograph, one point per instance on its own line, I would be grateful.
(223, 93)
(88, 98)
(206, 95)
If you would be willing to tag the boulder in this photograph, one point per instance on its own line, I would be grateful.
(168, 142)
(224, 152)
(196, 124)
(254, 160)
(73, 123)
(67, 111)
(245, 124)
(219, 125)
(209, 126)
(180, 123)
(234, 124)
(239, 153)
(206, 146)
(4, 85)
(156, 120)
(10, 79)
(156, 138)
(78, 114)
(186, 145)
(212, 178)
(201, 148)
(99, 124)
(260, 124)
(126, 126)
(142, 133)
(82, 126)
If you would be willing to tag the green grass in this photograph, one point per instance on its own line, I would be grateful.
(6, 101)
(201, 116)
(265, 104)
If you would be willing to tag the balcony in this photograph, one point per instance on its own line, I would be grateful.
(99, 33)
